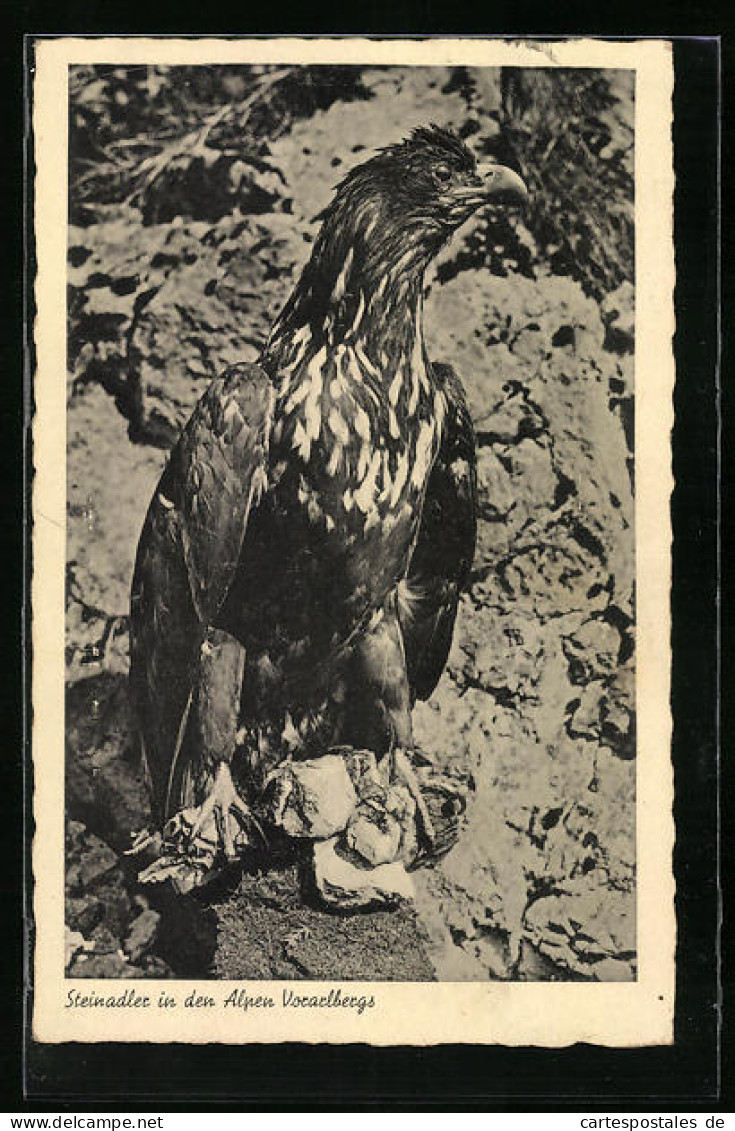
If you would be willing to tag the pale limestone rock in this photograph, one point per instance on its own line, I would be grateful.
(343, 883)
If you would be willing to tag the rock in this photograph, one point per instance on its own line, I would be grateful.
(613, 970)
(314, 798)
(142, 934)
(74, 837)
(585, 720)
(592, 651)
(496, 488)
(104, 786)
(101, 966)
(154, 967)
(186, 937)
(74, 942)
(83, 914)
(116, 904)
(491, 949)
(347, 885)
(104, 941)
(533, 966)
(382, 828)
(511, 420)
(94, 861)
(553, 924)
(618, 726)
(374, 835)
(618, 314)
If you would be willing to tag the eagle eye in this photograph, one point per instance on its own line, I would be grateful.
(443, 174)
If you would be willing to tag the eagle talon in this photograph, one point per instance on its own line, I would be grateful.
(221, 807)
(143, 839)
(448, 807)
(401, 769)
(193, 838)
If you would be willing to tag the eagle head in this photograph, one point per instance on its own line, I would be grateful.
(401, 205)
(432, 181)
(387, 220)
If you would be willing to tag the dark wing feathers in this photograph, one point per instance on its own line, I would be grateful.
(222, 456)
(165, 635)
(442, 557)
(187, 555)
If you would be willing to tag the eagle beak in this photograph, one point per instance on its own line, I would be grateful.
(501, 185)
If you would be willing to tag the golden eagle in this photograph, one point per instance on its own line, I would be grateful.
(298, 573)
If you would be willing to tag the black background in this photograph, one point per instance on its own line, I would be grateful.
(684, 1077)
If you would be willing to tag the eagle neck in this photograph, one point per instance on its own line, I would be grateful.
(346, 303)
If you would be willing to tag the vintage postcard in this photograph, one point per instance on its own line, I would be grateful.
(351, 551)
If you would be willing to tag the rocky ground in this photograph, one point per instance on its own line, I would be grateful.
(193, 206)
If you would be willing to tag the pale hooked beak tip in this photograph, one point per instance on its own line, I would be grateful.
(502, 185)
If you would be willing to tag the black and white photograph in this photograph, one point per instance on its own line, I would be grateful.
(350, 455)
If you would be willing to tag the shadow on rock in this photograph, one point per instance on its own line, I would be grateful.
(104, 782)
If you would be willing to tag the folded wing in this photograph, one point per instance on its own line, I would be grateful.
(442, 558)
(187, 558)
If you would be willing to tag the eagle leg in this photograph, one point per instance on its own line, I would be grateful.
(221, 821)
(402, 770)
(194, 839)
(219, 806)
(380, 716)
